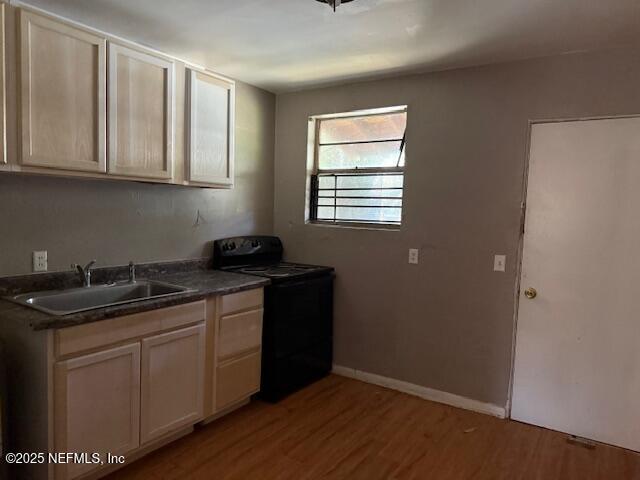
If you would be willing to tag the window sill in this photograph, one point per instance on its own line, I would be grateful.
(356, 226)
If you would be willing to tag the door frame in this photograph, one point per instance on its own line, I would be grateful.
(523, 213)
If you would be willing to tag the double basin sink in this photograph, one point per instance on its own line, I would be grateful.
(74, 300)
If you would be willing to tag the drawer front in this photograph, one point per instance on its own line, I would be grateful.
(237, 380)
(239, 333)
(106, 332)
(236, 302)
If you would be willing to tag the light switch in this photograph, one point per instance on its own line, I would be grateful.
(40, 263)
(499, 262)
(413, 256)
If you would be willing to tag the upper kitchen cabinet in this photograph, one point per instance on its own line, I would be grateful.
(210, 121)
(88, 104)
(140, 113)
(63, 103)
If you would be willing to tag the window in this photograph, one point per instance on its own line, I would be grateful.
(358, 172)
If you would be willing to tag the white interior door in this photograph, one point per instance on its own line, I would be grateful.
(577, 360)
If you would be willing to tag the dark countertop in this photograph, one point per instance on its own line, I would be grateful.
(205, 283)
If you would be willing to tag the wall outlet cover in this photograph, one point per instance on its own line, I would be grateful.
(40, 263)
(414, 256)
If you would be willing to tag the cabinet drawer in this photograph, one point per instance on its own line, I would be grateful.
(237, 380)
(106, 332)
(237, 302)
(239, 333)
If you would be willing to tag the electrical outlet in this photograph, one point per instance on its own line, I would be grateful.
(499, 263)
(40, 261)
(413, 256)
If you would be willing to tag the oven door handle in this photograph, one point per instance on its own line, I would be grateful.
(304, 283)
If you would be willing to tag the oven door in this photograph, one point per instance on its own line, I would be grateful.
(298, 315)
(297, 345)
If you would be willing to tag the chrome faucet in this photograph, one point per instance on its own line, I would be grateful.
(85, 273)
(132, 272)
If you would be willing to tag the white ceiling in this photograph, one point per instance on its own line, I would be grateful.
(284, 45)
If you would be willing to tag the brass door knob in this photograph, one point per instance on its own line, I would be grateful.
(530, 293)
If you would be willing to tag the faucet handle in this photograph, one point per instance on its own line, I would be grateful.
(85, 272)
(132, 272)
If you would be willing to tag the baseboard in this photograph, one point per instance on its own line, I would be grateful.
(226, 411)
(422, 392)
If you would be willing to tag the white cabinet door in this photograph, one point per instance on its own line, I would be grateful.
(140, 113)
(210, 119)
(97, 405)
(237, 379)
(172, 381)
(63, 83)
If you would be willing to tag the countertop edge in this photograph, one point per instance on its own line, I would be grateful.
(44, 321)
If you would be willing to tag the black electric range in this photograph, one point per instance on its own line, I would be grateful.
(297, 334)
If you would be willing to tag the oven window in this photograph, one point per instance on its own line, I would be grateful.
(358, 174)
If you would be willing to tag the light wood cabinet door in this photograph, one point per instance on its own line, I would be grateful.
(172, 381)
(63, 102)
(97, 405)
(237, 379)
(140, 113)
(210, 125)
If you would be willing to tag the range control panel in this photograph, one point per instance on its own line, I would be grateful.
(233, 251)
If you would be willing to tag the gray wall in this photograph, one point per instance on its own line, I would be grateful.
(446, 323)
(113, 221)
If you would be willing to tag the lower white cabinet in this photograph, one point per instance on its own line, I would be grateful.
(97, 405)
(128, 385)
(237, 379)
(142, 379)
(172, 381)
(238, 340)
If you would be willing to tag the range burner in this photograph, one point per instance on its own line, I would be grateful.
(266, 271)
(277, 271)
(255, 269)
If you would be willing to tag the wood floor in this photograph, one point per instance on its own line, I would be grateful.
(344, 429)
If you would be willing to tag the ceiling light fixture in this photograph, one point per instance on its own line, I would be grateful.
(334, 3)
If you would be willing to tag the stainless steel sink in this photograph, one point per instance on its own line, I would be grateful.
(65, 302)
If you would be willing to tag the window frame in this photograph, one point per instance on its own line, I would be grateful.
(315, 171)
